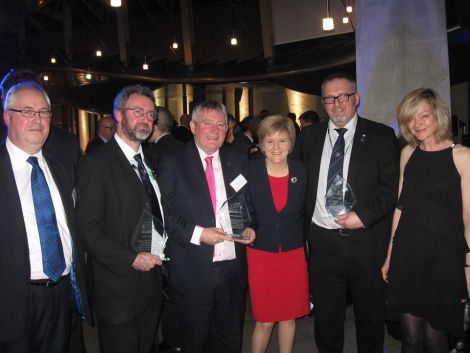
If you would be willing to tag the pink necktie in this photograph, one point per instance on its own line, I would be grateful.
(211, 182)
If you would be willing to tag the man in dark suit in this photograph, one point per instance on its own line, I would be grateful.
(162, 141)
(42, 262)
(348, 249)
(104, 133)
(207, 270)
(118, 197)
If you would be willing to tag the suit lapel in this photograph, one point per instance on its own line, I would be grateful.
(196, 170)
(315, 159)
(361, 137)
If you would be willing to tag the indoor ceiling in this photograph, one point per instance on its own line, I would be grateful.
(33, 31)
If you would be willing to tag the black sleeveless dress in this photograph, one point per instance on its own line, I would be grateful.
(427, 276)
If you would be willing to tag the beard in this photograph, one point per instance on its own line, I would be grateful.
(139, 133)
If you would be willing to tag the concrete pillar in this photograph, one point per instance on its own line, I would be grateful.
(401, 45)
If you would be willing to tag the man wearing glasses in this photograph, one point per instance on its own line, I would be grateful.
(41, 262)
(353, 179)
(104, 133)
(118, 198)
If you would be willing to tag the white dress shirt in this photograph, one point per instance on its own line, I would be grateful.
(321, 217)
(226, 249)
(22, 172)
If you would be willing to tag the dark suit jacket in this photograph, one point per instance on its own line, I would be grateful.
(373, 175)
(93, 144)
(184, 185)
(275, 229)
(111, 199)
(166, 144)
(15, 269)
(183, 134)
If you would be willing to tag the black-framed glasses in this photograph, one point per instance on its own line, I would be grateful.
(29, 113)
(139, 113)
(342, 98)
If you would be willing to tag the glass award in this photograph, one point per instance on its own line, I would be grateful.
(234, 217)
(147, 239)
(339, 197)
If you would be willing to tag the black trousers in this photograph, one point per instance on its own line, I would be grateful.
(134, 336)
(49, 322)
(336, 270)
(211, 318)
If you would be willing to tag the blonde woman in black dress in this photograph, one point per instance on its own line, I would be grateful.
(427, 263)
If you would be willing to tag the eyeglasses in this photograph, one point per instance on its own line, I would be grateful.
(139, 113)
(28, 113)
(107, 127)
(342, 98)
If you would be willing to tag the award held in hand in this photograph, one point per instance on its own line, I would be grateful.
(146, 238)
(339, 197)
(234, 217)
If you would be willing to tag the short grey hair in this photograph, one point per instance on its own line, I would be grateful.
(209, 105)
(123, 96)
(11, 94)
(339, 76)
(165, 120)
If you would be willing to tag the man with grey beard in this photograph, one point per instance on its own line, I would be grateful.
(117, 196)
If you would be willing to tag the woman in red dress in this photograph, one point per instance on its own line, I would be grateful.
(277, 270)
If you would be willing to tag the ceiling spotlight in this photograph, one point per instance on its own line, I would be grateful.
(349, 9)
(45, 78)
(175, 45)
(145, 66)
(99, 53)
(88, 76)
(53, 61)
(233, 41)
(115, 3)
(345, 19)
(328, 23)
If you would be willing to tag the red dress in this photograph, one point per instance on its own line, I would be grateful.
(278, 280)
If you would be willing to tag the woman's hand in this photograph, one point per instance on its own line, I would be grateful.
(385, 268)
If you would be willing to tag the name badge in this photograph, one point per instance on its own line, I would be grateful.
(238, 183)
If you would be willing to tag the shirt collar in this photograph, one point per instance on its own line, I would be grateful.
(350, 126)
(18, 156)
(203, 154)
(128, 150)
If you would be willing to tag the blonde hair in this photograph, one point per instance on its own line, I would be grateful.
(409, 107)
(276, 123)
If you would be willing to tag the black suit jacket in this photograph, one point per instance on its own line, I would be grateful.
(166, 144)
(275, 229)
(184, 185)
(373, 175)
(94, 144)
(15, 269)
(111, 199)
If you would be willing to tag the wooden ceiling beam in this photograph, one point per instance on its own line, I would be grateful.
(123, 31)
(187, 31)
(266, 18)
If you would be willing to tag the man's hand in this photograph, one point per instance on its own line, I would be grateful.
(145, 261)
(250, 236)
(212, 236)
(349, 220)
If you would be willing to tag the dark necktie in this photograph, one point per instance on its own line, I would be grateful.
(336, 167)
(151, 193)
(53, 260)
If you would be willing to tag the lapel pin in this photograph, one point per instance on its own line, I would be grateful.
(363, 138)
(293, 180)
